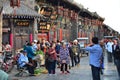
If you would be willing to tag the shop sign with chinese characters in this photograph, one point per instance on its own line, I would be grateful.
(44, 26)
(22, 23)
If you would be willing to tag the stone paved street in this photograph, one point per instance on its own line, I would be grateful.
(83, 72)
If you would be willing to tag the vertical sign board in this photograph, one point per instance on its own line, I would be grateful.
(46, 11)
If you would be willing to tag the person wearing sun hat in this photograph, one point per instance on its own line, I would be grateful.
(76, 51)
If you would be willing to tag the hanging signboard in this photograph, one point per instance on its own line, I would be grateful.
(43, 26)
(5, 29)
(54, 15)
(22, 23)
(46, 11)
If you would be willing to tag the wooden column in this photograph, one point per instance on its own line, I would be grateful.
(35, 30)
(0, 31)
(61, 36)
(11, 39)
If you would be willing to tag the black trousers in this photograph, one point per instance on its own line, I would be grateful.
(77, 59)
(51, 67)
(73, 61)
(117, 62)
(64, 67)
(95, 72)
(31, 68)
(110, 56)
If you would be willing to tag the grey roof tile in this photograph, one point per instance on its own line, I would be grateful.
(22, 10)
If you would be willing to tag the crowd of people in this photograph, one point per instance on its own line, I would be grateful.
(65, 55)
(97, 52)
(113, 53)
(54, 54)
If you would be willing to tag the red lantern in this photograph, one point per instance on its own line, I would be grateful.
(14, 3)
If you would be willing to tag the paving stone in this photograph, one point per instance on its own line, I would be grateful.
(83, 72)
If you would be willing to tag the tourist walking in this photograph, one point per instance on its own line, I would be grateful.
(76, 51)
(116, 53)
(109, 50)
(72, 55)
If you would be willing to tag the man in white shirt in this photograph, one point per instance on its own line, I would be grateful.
(109, 50)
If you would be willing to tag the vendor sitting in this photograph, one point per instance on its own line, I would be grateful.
(24, 62)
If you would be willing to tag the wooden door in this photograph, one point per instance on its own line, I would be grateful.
(20, 37)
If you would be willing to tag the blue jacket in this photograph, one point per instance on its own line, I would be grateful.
(30, 52)
(95, 55)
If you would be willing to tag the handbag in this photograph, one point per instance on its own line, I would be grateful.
(76, 53)
(63, 61)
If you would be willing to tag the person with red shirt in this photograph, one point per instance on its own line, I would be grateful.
(51, 59)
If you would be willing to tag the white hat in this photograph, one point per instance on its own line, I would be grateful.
(75, 40)
(35, 40)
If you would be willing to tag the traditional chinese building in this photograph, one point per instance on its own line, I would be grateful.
(61, 16)
(19, 24)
